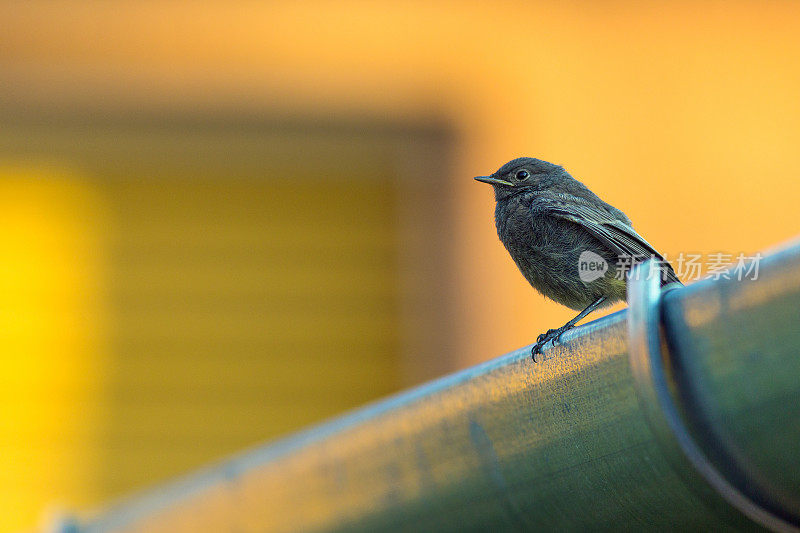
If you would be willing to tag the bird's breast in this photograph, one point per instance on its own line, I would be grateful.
(547, 251)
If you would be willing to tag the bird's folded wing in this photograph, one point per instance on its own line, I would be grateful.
(604, 226)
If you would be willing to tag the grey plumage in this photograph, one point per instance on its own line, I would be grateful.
(546, 219)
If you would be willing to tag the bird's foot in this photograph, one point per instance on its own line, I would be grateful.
(544, 337)
(550, 335)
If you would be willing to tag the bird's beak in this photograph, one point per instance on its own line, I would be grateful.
(494, 181)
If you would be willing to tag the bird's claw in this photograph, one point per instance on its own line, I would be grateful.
(537, 349)
(542, 339)
(553, 335)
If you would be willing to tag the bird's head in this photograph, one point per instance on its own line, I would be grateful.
(522, 174)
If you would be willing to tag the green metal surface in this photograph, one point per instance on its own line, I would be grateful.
(738, 375)
(514, 445)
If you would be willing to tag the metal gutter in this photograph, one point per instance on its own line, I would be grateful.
(692, 424)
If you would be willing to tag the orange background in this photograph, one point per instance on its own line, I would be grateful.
(685, 115)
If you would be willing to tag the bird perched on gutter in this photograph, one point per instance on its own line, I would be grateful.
(569, 244)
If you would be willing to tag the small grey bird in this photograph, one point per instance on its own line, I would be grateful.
(569, 244)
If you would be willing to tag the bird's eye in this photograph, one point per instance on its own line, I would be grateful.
(522, 175)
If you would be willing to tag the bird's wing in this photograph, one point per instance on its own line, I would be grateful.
(619, 236)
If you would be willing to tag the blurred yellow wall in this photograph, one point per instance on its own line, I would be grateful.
(51, 334)
(686, 115)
